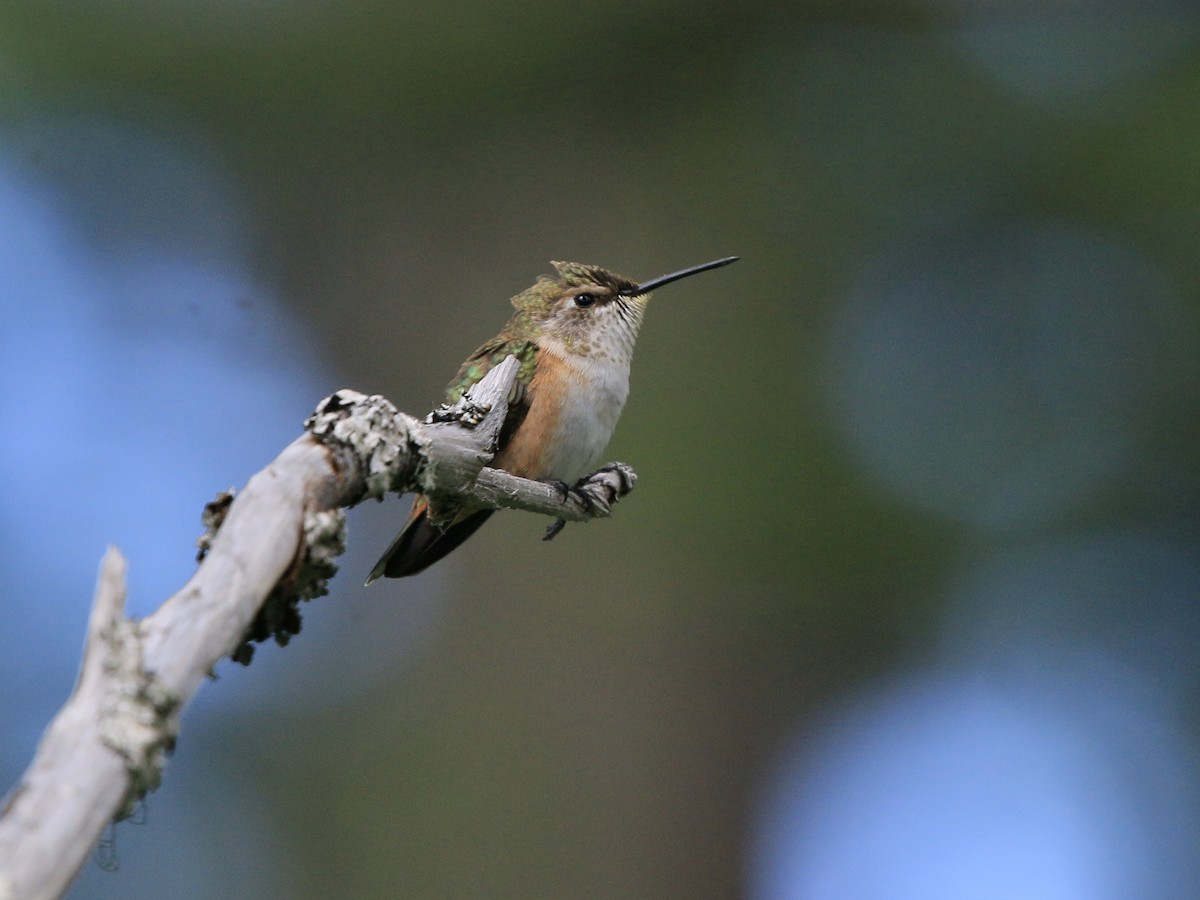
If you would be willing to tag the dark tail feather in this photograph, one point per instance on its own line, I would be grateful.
(422, 543)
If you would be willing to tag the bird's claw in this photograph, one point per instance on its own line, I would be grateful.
(596, 493)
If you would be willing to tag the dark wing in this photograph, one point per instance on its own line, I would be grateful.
(421, 543)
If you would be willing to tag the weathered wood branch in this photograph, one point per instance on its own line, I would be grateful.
(274, 545)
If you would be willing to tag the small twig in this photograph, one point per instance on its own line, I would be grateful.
(592, 498)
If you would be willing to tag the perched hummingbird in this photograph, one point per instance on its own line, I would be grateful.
(573, 335)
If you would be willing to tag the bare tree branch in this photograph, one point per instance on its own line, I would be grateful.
(274, 545)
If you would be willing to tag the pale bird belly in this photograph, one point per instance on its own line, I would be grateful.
(585, 426)
(573, 413)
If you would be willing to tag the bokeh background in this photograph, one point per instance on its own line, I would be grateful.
(907, 601)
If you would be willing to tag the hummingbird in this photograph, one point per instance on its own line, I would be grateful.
(573, 336)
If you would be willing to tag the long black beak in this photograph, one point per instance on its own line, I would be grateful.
(647, 286)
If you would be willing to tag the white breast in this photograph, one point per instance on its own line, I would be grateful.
(596, 396)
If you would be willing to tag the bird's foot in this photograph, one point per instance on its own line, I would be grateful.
(596, 493)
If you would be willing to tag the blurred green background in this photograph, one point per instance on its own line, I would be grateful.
(933, 440)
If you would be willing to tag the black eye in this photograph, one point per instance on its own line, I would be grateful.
(583, 301)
